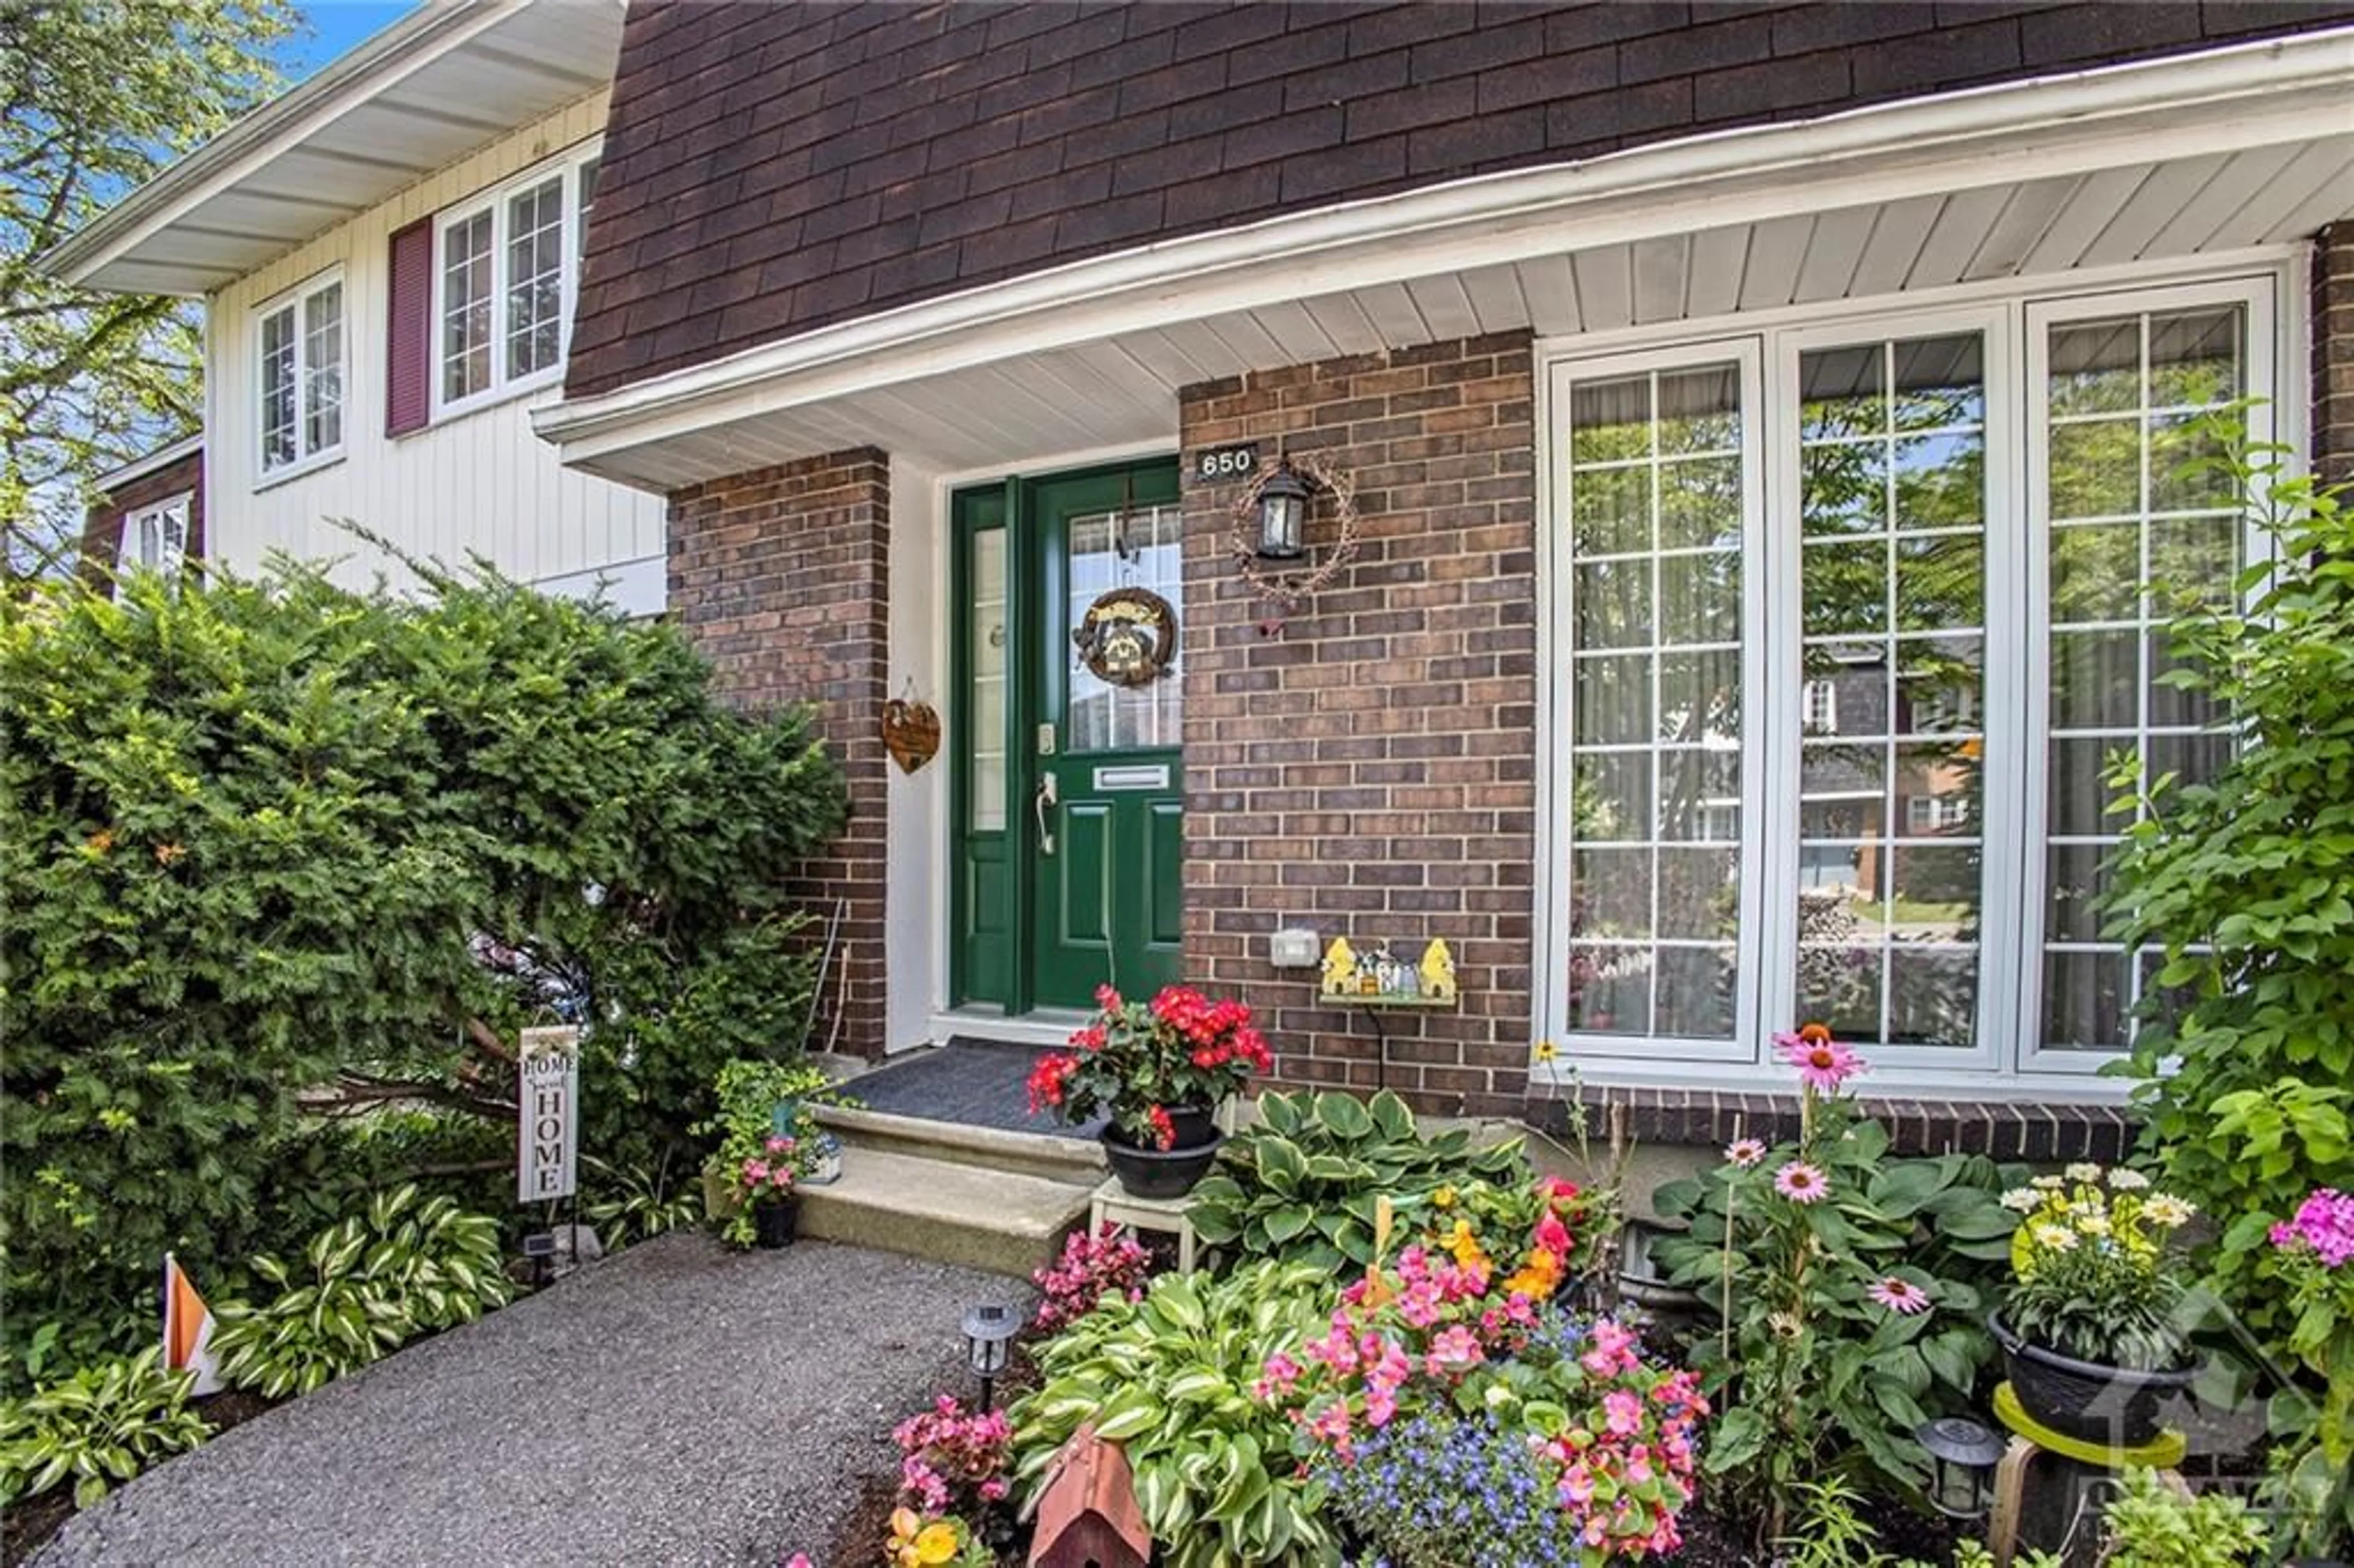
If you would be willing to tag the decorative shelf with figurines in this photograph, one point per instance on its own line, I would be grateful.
(1377, 977)
(1378, 980)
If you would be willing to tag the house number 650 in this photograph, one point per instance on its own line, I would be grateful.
(1213, 464)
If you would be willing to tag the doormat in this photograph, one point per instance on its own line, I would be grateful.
(973, 1083)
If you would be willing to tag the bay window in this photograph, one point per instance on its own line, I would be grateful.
(1849, 623)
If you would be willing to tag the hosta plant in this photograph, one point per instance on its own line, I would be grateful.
(100, 1427)
(1302, 1183)
(366, 1287)
(1170, 1377)
(634, 1203)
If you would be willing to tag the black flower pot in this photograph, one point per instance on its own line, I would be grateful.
(776, 1225)
(2087, 1400)
(1194, 1125)
(1147, 1172)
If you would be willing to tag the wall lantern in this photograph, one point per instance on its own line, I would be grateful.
(988, 1331)
(1283, 514)
(1964, 1456)
(1270, 534)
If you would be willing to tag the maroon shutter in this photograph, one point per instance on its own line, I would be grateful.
(408, 349)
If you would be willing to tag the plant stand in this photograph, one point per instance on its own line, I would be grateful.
(1112, 1203)
(2080, 1462)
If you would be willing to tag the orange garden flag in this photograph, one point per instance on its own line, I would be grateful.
(188, 1329)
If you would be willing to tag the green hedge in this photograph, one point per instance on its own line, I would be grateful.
(257, 837)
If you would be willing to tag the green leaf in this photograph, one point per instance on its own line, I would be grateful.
(1344, 1115)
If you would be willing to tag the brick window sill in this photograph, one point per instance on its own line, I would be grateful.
(2022, 1131)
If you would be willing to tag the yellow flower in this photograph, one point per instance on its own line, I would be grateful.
(2165, 1209)
(1545, 1050)
(1444, 1198)
(1537, 1278)
(1464, 1246)
(914, 1544)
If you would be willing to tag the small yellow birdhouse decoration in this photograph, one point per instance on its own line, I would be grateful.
(1438, 971)
(1340, 969)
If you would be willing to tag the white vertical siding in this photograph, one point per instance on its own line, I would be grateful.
(475, 483)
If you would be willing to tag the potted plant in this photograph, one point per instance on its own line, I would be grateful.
(765, 1183)
(2089, 1328)
(1160, 1068)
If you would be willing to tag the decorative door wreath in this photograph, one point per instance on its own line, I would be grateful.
(911, 731)
(1128, 636)
(1287, 590)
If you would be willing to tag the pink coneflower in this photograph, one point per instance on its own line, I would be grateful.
(1745, 1152)
(1801, 1182)
(1823, 1062)
(1900, 1297)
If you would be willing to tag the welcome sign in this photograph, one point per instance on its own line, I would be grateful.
(547, 1115)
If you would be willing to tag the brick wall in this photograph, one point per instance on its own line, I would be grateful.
(770, 168)
(2333, 352)
(1372, 771)
(780, 576)
(101, 534)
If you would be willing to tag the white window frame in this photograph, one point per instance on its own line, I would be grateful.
(2007, 1058)
(169, 560)
(2277, 416)
(1741, 353)
(297, 300)
(567, 166)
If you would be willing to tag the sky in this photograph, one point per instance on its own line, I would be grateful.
(337, 28)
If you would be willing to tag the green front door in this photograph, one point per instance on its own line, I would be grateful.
(1071, 877)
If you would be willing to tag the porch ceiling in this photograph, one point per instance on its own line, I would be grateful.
(1759, 237)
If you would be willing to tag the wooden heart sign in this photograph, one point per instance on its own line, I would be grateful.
(911, 732)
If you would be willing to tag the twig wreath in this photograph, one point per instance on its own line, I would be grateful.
(1286, 591)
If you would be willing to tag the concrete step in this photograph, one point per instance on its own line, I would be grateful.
(1001, 1220)
(1075, 1161)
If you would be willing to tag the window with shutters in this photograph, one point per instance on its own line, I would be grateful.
(1851, 617)
(505, 268)
(300, 345)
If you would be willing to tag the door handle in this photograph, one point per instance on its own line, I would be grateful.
(1042, 801)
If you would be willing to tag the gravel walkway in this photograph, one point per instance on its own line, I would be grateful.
(675, 1404)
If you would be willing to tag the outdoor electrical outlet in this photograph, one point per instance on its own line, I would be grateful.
(1293, 948)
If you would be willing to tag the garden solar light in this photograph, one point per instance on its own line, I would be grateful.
(988, 1331)
(1964, 1455)
(1282, 514)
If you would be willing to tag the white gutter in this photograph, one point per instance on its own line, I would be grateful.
(252, 142)
(2250, 94)
(140, 467)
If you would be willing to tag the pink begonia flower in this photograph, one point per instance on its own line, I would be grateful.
(756, 1169)
(1622, 1413)
(1552, 1236)
(1454, 1349)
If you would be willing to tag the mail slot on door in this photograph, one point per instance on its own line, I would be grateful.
(1133, 777)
